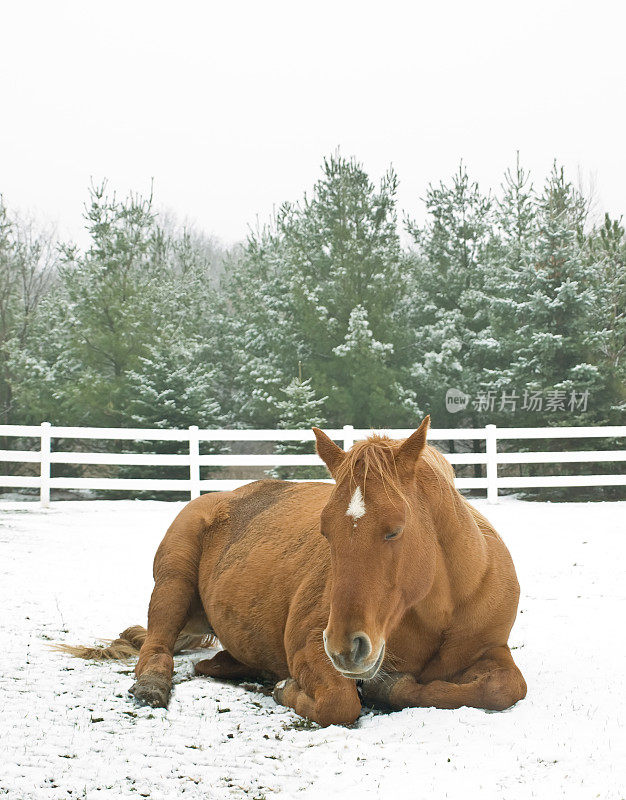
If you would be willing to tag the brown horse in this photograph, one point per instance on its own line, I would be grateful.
(388, 578)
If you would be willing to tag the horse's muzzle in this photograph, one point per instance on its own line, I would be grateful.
(355, 660)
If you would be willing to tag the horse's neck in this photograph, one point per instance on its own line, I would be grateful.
(462, 557)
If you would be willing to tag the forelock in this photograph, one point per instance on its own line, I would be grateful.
(373, 458)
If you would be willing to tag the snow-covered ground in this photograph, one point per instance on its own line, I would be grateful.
(82, 570)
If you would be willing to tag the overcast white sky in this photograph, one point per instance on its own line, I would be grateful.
(231, 106)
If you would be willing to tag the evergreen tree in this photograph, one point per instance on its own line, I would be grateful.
(299, 285)
(510, 284)
(551, 351)
(452, 341)
(606, 333)
(175, 386)
(259, 347)
(298, 410)
(104, 307)
(110, 312)
(367, 376)
(28, 261)
(345, 265)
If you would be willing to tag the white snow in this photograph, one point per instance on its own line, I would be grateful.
(82, 570)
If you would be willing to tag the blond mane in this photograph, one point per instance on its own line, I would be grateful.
(375, 456)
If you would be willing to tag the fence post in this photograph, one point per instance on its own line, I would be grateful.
(44, 486)
(491, 447)
(348, 436)
(194, 462)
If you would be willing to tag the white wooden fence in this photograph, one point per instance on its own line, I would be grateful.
(45, 456)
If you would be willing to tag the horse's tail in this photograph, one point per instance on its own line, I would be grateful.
(129, 644)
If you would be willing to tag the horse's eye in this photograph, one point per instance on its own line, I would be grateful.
(393, 534)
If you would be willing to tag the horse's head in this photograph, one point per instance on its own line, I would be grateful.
(382, 560)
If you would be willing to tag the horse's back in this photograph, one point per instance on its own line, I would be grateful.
(265, 519)
(241, 507)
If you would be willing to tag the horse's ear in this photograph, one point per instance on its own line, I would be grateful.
(331, 454)
(411, 448)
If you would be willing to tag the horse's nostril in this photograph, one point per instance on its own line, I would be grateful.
(361, 647)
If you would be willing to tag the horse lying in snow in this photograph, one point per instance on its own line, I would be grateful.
(389, 577)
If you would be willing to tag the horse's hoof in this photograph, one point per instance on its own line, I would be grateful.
(206, 668)
(280, 689)
(152, 690)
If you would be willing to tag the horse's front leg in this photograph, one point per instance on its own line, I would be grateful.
(316, 690)
(493, 682)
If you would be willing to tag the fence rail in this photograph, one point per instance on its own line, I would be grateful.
(45, 456)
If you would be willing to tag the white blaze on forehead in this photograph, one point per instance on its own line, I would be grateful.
(356, 509)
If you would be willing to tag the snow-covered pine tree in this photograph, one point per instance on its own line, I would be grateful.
(552, 351)
(259, 348)
(606, 332)
(510, 284)
(342, 250)
(299, 409)
(367, 378)
(28, 261)
(452, 342)
(110, 307)
(104, 309)
(175, 386)
(296, 286)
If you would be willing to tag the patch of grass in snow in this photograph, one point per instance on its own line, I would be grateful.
(301, 724)
(259, 688)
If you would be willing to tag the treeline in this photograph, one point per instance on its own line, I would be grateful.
(337, 311)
